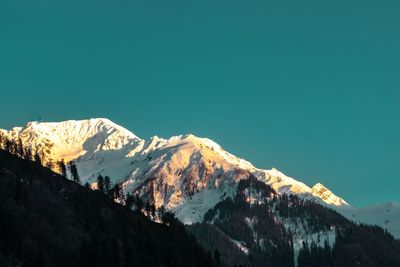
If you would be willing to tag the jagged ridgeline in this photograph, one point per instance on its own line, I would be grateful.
(258, 227)
(47, 220)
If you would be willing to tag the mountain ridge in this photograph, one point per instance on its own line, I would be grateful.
(47, 130)
(185, 173)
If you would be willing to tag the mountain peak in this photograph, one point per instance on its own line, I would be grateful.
(72, 138)
(319, 190)
(319, 186)
(86, 126)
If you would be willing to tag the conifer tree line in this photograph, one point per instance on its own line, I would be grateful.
(74, 172)
(114, 192)
(18, 148)
(70, 170)
(133, 201)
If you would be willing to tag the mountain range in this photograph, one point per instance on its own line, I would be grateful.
(191, 174)
(193, 178)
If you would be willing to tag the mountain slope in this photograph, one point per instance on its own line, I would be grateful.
(386, 215)
(259, 227)
(186, 174)
(46, 220)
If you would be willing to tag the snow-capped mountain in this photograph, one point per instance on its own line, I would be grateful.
(186, 174)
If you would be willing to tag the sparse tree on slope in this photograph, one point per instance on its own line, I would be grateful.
(62, 168)
(130, 201)
(108, 186)
(37, 158)
(74, 173)
(100, 183)
(20, 148)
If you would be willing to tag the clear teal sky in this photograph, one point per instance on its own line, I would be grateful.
(309, 87)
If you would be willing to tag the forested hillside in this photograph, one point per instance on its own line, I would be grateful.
(262, 228)
(47, 220)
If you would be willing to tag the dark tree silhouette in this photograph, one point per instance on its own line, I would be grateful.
(107, 186)
(74, 173)
(153, 210)
(138, 203)
(147, 207)
(130, 201)
(100, 183)
(20, 148)
(37, 158)
(62, 168)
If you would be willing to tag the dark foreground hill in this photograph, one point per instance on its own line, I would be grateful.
(46, 220)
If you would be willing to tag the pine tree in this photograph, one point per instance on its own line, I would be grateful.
(74, 173)
(37, 158)
(100, 183)
(7, 145)
(147, 208)
(304, 257)
(20, 148)
(13, 147)
(161, 211)
(327, 254)
(62, 168)
(107, 186)
(168, 218)
(138, 203)
(153, 210)
(130, 201)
